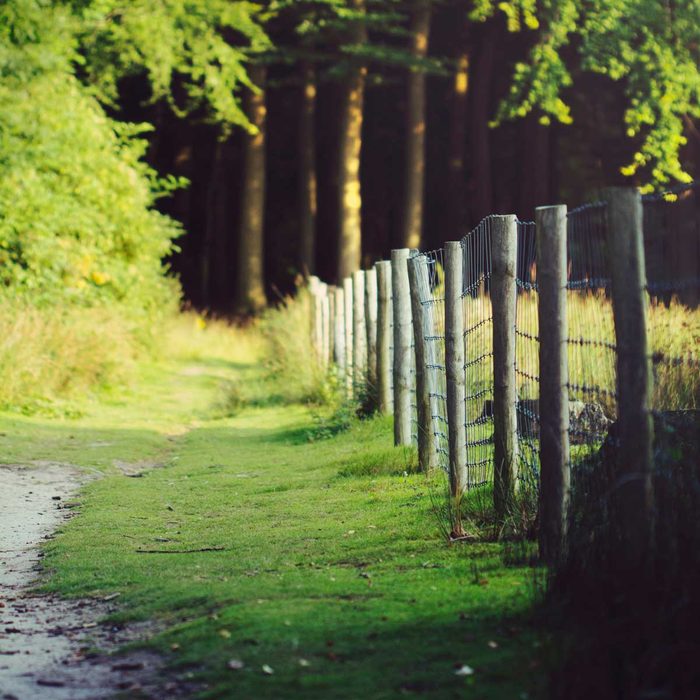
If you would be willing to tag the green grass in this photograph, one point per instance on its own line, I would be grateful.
(329, 564)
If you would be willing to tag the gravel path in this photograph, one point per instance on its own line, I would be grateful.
(47, 644)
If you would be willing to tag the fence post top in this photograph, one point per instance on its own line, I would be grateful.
(398, 254)
(551, 207)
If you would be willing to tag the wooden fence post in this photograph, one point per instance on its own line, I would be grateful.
(331, 325)
(403, 337)
(633, 495)
(455, 377)
(554, 376)
(325, 326)
(339, 331)
(420, 288)
(314, 286)
(347, 288)
(385, 355)
(371, 323)
(504, 247)
(359, 348)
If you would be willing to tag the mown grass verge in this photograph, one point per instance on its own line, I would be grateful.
(321, 559)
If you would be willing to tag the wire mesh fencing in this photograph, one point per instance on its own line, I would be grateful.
(478, 352)
(527, 347)
(591, 341)
(432, 298)
(672, 253)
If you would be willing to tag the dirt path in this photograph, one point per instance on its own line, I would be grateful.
(47, 645)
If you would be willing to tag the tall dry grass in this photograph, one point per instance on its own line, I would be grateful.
(48, 355)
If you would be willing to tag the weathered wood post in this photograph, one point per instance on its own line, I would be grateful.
(554, 376)
(331, 324)
(403, 340)
(339, 330)
(385, 355)
(347, 289)
(314, 286)
(325, 326)
(359, 348)
(632, 492)
(371, 323)
(504, 248)
(420, 290)
(455, 378)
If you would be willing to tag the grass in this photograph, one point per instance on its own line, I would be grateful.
(324, 558)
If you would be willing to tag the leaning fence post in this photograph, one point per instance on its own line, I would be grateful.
(633, 491)
(347, 288)
(371, 324)
(455, 376)
(504, 247)
(420, 287)
(403, 336)
(359, 348)
(385, 355)
(339, 330)
(554, 376)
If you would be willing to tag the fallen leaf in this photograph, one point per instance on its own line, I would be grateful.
(493, 645)
(267, 670)
(225, 634)
(464, 670)
(235, 665)
(305, 663)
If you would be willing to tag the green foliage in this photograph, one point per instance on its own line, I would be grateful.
(204, 45)
(76, 218)
(652, 48)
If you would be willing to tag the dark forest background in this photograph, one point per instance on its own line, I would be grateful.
(511, 168)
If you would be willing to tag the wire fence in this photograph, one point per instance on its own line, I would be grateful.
(527, 347)
(478, 352)
(672, 253)
(590, 338)
(432, 299)
(671, 242)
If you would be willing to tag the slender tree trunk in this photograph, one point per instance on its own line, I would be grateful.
(350, 199)
(480, 132)
(211, 226)
(414, 168)
(307, 172)
(250, 291)
(456, 195)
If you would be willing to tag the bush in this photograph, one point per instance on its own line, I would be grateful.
(76, 219)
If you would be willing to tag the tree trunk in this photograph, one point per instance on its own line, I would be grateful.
(480, 132)
(250, 290)
(211, 226)
(350, 199)
(414, 168)
(456, 214)
(307, 172)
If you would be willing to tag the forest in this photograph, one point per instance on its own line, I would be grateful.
(259, 141)
(349, 348)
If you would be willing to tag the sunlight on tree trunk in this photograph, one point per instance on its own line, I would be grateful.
(456, 195)
(350, 198)
(414, 171)
(250, 291)
(480, 131)
(307, 171)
